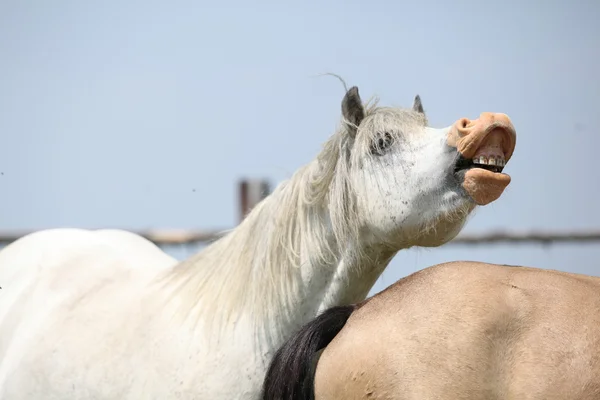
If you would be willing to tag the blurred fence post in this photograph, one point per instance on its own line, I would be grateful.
(251, 192)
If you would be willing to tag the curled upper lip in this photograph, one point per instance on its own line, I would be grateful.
(477, 141)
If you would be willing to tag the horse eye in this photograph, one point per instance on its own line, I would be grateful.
(381, 144)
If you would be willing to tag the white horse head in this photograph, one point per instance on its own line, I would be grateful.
(400, 182)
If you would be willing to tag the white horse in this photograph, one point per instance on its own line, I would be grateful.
(107, 315)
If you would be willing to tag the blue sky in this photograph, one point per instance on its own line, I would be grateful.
(144, 114)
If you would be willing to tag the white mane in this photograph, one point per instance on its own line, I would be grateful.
(252, 268)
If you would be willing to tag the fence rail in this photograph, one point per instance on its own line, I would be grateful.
(252, 191)
(188, 237)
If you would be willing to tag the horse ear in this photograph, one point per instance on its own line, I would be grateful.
(417, 105)
(353, 110)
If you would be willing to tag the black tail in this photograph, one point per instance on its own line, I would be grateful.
(289, 376)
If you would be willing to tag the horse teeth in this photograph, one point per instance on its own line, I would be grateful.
(493, 161)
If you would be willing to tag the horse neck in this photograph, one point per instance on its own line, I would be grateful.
(354, 276)
(279, 267)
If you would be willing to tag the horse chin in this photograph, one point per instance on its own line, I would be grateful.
(484, 186)
(446, 227)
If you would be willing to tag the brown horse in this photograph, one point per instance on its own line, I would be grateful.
(461, 330)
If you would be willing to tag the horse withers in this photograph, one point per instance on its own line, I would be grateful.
(461, 330)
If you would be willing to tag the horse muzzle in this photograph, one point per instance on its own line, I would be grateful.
(485, 146)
